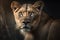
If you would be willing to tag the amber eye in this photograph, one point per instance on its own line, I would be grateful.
(20, 14)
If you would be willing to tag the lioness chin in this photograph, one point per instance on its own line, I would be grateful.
(34, 23)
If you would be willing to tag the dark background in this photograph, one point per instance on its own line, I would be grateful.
(53, 8)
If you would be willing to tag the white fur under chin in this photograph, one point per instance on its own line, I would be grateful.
(26, 33)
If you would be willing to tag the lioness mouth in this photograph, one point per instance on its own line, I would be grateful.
(26, 28)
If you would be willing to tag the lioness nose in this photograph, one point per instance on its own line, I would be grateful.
(26, 22)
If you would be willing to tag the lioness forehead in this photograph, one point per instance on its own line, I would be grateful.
(27, 7)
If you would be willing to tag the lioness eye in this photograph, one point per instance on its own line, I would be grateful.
(32, 14)
(20, 14)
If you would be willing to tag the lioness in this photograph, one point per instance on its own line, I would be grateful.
(33, 23)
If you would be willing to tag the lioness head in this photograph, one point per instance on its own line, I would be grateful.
(27, 16)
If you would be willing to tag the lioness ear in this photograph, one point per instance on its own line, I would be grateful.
(39, 5)
(15, 5)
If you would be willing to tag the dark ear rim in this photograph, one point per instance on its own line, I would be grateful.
(14, 5)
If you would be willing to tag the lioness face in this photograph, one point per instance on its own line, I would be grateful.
(26, 16)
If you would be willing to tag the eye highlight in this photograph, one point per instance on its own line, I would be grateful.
(20, 14)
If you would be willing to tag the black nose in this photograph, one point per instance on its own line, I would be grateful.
(26, 22)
